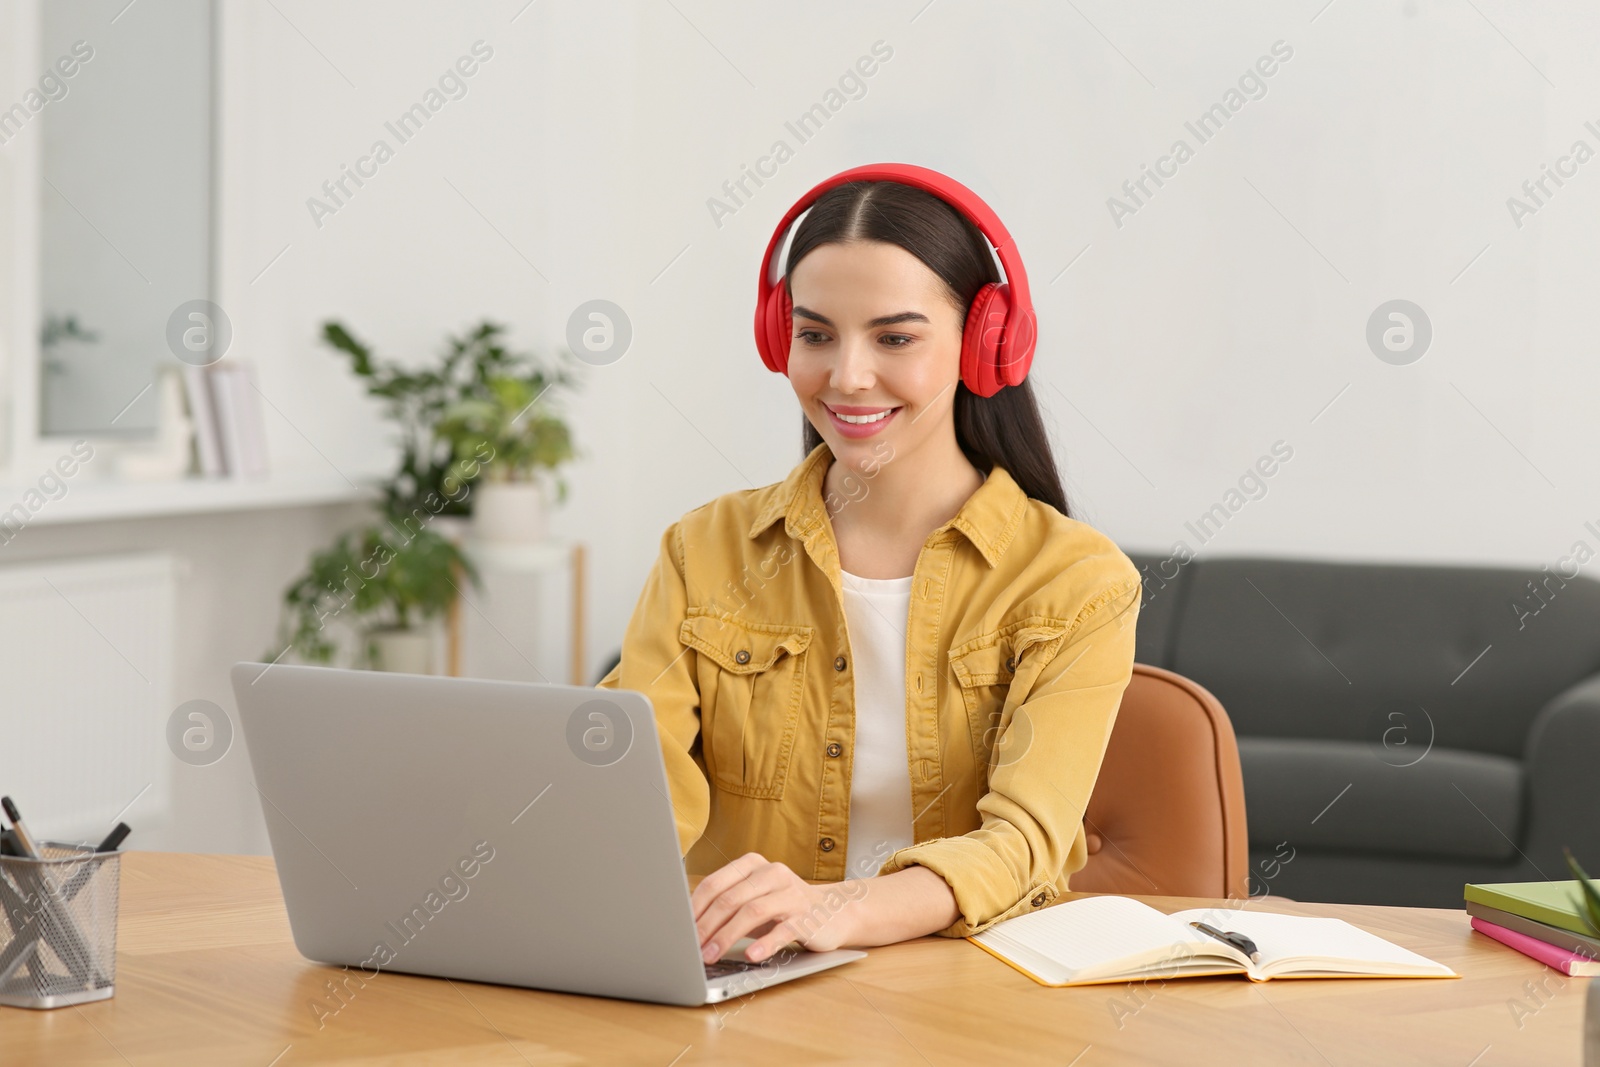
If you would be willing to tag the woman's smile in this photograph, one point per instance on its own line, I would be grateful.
(856, 421)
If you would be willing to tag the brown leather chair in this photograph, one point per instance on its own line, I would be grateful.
(1167, 813)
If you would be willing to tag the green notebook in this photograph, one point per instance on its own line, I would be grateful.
(1556, 903)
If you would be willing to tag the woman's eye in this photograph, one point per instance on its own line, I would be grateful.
(817, 337)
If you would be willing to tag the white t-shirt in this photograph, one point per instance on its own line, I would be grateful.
(875, 611)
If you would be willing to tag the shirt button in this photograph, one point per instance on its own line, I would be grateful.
(1011, 663)
(834, 748)
(826, 844)
(743, 655)
(1038, 901)
(838, 664)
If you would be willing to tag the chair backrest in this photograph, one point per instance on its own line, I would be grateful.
(1167, 813)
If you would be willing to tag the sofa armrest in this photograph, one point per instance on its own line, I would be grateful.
(1562, 757)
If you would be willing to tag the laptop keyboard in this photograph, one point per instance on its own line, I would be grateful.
(723, 968)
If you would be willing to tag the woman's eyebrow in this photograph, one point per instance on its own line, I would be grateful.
(881, 320)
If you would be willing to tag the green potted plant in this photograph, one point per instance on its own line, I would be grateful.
(524, 441)
(476, 366)
(385, 584)
(57, 330)
(1589, 910)
(1589, 905)
(476, 418)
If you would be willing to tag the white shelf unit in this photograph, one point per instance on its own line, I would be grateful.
(530, 558)
(110, 501)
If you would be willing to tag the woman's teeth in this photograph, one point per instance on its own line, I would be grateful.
(859, 419)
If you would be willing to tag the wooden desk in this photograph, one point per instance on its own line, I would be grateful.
(207, 974)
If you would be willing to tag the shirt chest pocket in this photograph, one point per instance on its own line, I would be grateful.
(751, 677)
(995, 672)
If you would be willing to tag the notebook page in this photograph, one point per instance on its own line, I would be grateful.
(1094, 934)
(1314, 943)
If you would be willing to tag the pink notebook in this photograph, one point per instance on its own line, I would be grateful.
(1564, 960)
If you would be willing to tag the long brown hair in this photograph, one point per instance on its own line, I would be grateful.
(1002, 429)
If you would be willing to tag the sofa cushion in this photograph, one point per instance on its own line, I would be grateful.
(1162, 579)
(1448, 804)
(1336, 650)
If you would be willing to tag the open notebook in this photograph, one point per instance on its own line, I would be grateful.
(1117, 939)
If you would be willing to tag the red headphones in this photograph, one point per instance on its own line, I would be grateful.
(998, 340)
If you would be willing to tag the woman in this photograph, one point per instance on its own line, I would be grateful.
(884, 685)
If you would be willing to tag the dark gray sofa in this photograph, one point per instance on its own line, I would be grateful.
(1402, 728)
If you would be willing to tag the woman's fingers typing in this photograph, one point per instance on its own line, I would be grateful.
(714, 924)
(752, 897)
(725, 894)
(718, 881)
(762, 910)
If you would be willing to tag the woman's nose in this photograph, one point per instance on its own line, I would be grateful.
(852, 367)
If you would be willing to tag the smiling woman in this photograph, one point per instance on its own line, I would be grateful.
(897, 733)
(858, 239)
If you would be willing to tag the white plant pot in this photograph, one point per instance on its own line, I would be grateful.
(452, 528)
(404, 651)
(508, 512)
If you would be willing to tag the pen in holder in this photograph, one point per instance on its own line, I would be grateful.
(58, 926)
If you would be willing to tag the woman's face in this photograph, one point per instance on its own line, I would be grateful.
(874, 332)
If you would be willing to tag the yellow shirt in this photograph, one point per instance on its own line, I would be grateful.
(1019, 643)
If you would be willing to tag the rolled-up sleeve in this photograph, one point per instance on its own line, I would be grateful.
(655, 663)
(1055, 741)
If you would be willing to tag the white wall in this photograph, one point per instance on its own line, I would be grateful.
(1221, 317)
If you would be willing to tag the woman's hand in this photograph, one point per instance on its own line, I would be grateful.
(757, 898)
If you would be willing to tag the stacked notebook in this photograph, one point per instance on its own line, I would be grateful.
(1543, 920)
(1099, 939)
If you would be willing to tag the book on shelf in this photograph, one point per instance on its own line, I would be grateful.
(1092, 940)
(230, 432)
(1554, 935)
(208, 445)
(1568, 962)
(1557, 903)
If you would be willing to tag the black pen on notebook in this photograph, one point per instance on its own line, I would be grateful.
(1238, 941)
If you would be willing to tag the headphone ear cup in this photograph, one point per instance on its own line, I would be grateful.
(980, 339)
(778, 327)
(1022, 335)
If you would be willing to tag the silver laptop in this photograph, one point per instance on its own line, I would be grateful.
(490, 831)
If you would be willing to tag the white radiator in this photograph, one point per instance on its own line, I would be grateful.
(85, 691)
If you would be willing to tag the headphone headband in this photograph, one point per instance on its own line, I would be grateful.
(1016, 330)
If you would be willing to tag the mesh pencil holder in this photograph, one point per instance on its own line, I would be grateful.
(58, 926)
